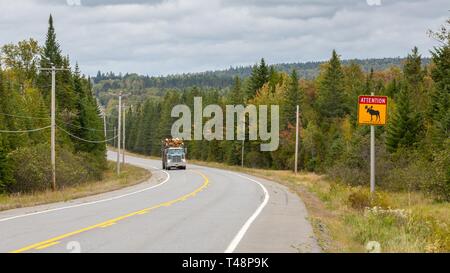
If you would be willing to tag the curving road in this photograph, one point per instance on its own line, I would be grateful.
(198, 210)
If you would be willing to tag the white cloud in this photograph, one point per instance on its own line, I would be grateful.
(171, 36)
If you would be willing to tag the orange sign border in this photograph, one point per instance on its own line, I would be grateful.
(372, 124)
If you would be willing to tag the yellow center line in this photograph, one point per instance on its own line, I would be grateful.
(55, 240)
(48, 245)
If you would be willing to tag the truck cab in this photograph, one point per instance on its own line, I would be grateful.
(173, 155)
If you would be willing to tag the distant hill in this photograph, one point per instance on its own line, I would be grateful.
(224, 78)
(147, 86)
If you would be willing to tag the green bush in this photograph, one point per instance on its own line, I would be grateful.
(32, 168)
(405, 170)
(6, 177)
(416, 172)
(361, 198)
(399, 230)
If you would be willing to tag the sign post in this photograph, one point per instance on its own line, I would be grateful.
(372, 110)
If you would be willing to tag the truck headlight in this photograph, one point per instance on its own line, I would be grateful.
(169, 160)
(184, 160)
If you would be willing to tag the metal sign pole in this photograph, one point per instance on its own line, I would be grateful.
(119, 131)
(296, 140)
(372, 157)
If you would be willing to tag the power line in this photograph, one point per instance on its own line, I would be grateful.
(67, 123)
(18, 116)
(25, 131)
(81, 127)
(85, 140)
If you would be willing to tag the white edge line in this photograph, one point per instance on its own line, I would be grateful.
(237, 239)
(89, 203)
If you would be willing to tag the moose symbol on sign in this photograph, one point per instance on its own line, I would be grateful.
(372, 113)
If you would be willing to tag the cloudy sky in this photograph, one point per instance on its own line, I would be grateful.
(159, 37)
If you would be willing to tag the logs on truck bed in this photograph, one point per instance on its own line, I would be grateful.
(173, 142)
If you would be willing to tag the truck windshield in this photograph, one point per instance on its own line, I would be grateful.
(175, 152)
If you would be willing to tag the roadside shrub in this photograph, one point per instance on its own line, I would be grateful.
(254, 159)
(429, 175)
(439, 182)
(361, 199)
(6, 177)
(399, 230)
(94, 164)
(352, 165)
(32, 168)
(405, 170)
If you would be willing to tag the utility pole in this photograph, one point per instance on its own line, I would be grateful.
(104, 123)
(123, 146)
(53, 70)
(372, 157)
(243, 144)
(296, 139)
(115, 134)
(53, 128)
(119, 128)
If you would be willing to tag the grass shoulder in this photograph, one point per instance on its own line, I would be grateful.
(347, 218)
(130, 175)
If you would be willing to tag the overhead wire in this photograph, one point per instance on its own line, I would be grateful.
(81, 127)
(19, 116)
(86, 140)
(24, 131)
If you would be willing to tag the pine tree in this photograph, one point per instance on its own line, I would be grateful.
(65, 95)
(263, 73)
(414, 75)
(412, 69)
(259, 76)
(51, 51)
(393, 89)
(51, 55)
(331, 96)
(292, 98)
(404, 127)
(440, 97)
(354, 80)
(235, 96)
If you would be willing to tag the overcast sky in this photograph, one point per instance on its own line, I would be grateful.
(159, 37)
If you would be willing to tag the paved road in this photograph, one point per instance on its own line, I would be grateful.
(197, 210)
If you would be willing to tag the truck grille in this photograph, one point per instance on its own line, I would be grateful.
(176, 159)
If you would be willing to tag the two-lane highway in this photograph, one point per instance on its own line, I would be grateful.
(198, 210)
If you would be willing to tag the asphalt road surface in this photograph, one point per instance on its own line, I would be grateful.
(195, 210)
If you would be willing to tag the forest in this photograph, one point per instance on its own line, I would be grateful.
(25, 119)
(107, 85)
(412, 151)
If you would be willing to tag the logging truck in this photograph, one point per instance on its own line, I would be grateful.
(173, 154)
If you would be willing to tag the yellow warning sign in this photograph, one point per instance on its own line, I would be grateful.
(372, 110)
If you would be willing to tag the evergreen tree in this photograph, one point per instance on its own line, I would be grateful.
(51, 55)
(65, 95)
(404, 126)
(259, 76)
(393, 89)
(51, 52)
(413, 70)
(331, 96)
(413, 80)
(235, 96)
(292, 98)
(440, 97)
(354, 80)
